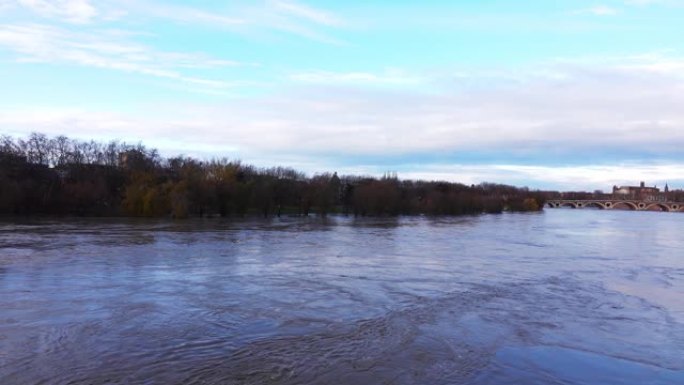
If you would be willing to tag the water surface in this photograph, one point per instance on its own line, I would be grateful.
(563, 297)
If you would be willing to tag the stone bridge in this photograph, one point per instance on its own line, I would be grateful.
(617, 204)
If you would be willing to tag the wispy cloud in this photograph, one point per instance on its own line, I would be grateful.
(280, 16)
(298, 19)
(388, 77)
(651, 2)
(673, 4)
(582, 177)
(599, 10)
(654, 63)
(187, 14)
(308, 13)
(595, 112)
(74, 11)
(107, 50)
(236, 143)
(6, 4)
(603, 10)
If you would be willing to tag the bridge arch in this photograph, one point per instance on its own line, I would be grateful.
(624, 205)
(594, 204)
(617, 204)
(657, 206)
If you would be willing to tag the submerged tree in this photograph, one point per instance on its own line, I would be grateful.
(63, 176)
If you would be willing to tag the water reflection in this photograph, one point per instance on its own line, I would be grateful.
(569, 296)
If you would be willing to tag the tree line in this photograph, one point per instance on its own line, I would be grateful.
(41, 175)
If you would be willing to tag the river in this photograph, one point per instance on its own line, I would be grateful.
(560, 297)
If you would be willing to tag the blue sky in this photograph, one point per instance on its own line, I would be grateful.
(550, 94)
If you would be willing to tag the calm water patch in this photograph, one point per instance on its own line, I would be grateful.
(562, 297)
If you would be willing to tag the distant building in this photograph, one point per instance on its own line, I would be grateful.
(640, 192)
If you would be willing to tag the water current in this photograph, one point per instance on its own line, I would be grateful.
(560, 297)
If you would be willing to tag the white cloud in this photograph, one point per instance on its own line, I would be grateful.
(107, 50)
(599, 10)
(186, 14)
(655, 63)
(6, 4)
(645, 2)
(311, 14)
(603, 10)
(178, 136)
(74, 11)
(278, 16)
(389, 77)
(581, 177)
(609, 110)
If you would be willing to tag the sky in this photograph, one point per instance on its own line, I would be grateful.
(564, 94)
